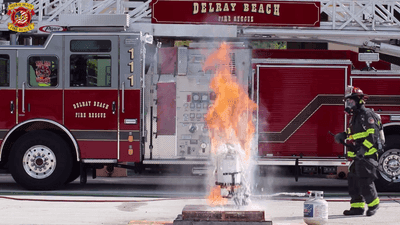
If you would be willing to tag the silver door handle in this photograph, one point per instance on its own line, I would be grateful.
(130, 121)
(114, 107)
(12, 107)
(123, 97)
(23, 97)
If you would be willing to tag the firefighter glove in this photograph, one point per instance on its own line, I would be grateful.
(340, 137)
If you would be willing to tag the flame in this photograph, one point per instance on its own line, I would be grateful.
(215, 198)
(229, 119)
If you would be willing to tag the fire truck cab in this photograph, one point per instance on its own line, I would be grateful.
(74, 99)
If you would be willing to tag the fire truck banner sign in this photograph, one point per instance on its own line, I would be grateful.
(21, 16)
(248, 13)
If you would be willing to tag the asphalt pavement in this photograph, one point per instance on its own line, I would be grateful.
(160, 199)
(120, 210)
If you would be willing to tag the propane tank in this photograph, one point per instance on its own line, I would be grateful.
(316, 209)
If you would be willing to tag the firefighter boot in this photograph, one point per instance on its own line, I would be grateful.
(353, 211)
(372, 210)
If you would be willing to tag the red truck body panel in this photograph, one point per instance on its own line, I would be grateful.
(298, 105)
(8, 119)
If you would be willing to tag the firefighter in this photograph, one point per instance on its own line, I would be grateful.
(362, 134)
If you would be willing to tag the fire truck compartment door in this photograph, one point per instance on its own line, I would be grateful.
(8, 81)
(40, 82)
(298, 105)
(91, 94)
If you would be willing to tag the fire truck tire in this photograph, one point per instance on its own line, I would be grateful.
(389, 161)
(40, 160)
(74, 173)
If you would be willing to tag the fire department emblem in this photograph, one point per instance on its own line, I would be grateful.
(371, 120)
(21, 16)
(43, 72)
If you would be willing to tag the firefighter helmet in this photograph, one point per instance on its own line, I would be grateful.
(352, 92)
(354, 97)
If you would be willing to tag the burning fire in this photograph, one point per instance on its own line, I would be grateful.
(215, 197)
(229, 119)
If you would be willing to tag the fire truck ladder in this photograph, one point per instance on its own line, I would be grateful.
(362, 23)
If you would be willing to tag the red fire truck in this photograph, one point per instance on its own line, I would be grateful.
(88, 99)
(83, 100)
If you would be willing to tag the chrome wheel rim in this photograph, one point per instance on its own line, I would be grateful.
(389, 164)
(39, 161)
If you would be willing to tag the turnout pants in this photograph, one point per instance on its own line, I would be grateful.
(361, 189)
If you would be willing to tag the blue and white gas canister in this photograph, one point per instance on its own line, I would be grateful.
(315, 209)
